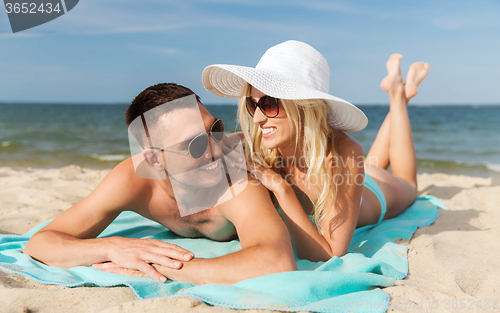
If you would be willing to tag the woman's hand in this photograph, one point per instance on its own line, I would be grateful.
(128, 255)
(267, 177)
(232, 149)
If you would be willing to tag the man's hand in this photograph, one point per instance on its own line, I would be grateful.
(129, 254)
(112, 267)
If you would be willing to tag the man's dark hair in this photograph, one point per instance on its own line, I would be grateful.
(154, 96)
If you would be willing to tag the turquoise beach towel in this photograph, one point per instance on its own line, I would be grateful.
(346, 284)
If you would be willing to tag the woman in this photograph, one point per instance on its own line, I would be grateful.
(296, 136)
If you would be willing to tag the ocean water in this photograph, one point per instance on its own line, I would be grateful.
(449, 139)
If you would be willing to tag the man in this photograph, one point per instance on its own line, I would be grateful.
(70, 239)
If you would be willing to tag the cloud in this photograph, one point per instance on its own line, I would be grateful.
(122, 17)
(166, 51)
(24, 34)
(471, 20)
(333, 6)
(112, 17)
(320, 5)
(154, 16)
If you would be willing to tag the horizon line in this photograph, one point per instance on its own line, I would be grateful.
(232, 104)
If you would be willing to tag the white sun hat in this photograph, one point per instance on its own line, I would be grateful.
(291, 70)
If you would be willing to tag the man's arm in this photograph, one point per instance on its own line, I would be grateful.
(266, 244)
(70, 239)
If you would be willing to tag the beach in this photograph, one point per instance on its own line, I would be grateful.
(319, 88)
(453, 264)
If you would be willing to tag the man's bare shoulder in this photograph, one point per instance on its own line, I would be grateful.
(125, 170)
(254, 194)
(124, 186)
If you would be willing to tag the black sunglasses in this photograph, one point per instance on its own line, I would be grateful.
(198, 145)
(269, 106)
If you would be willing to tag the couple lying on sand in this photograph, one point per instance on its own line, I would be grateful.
(296, 148)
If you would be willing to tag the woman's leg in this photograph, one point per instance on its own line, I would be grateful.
(379, 151)
(379, 154)
(416, 74)
(395, 135)
(402, 155)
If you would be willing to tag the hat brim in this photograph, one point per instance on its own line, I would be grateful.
(229, 80)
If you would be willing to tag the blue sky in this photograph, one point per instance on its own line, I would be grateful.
(107, 51)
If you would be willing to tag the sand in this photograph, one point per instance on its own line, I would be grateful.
(454, 263)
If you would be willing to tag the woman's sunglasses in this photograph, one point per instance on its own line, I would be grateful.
(198, 144)
(269, 106)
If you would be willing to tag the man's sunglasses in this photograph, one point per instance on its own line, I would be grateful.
(198, 145)
(269, 106)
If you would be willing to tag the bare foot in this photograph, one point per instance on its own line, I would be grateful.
(416, 74)
(393, 82)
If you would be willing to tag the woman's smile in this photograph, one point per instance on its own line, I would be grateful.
(268, 131)
(275, 130)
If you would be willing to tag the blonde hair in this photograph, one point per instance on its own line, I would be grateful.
(312, 132)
